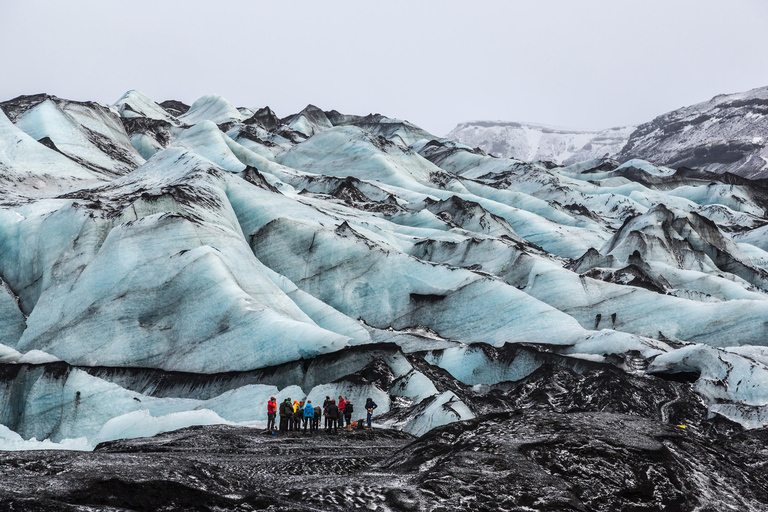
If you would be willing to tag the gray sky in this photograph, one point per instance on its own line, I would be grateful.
(582, 64)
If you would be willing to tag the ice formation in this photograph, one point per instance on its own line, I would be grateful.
(165, 266)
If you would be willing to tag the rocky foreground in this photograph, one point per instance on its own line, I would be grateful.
(529, 459)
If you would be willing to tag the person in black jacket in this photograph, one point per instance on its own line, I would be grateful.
(370, 405)
(286, 411)
(325, 411)
(333, 415)
(348, 410)
(316, 418)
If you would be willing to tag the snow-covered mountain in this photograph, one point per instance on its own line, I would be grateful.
(165, 266)
(532, 142)
(728, 133)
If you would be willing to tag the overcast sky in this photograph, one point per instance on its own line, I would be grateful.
(588, 64)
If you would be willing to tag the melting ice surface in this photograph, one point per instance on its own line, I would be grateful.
(164, 269)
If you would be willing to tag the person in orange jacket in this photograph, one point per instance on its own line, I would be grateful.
(271, 412)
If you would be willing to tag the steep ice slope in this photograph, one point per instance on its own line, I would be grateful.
(728, 133)
(206, 138)
(135, 104)
(308, 122)
(399, 131)
(756, 237)
(166, 268)
(598, 304)
(12, 320)
(537, 142)
(211, 108)
(31, 167)
(88, 133)
(364, 277)
(349, 151)
(689, 242)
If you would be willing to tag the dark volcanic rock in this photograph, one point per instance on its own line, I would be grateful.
(631, 275)
(535, 460)
(206, 468)
(17, 106)
(522, 460)
(266, 118)
(570, 435)
(174, 107)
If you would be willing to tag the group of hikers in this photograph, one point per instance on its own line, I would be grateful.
(295, 415)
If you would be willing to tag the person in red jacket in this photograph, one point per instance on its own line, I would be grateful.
(271, 411)
(342, 403)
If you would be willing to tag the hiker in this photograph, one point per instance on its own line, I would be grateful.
(348, 410)
(325, 410)
(342, 403)
(316, 419)
(271, 411)
(298, 416)
(285, 413)
(296, 426)
(333, 415)
(309, 416)
(370, 405)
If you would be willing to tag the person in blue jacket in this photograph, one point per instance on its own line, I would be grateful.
(370, 405)
(309, 416)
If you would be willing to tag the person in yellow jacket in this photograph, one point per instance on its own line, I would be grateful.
(296, 424)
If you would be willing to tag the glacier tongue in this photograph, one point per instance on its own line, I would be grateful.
(327, 254)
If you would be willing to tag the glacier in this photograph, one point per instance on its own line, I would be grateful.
(165, 266)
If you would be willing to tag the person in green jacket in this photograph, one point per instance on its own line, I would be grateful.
(286, 412)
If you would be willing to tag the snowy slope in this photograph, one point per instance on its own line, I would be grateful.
(728, 133)
(89, 134)
(538, 142)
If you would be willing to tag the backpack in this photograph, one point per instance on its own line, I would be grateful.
(348, 409)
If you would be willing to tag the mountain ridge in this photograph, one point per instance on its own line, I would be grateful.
(727, 133)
